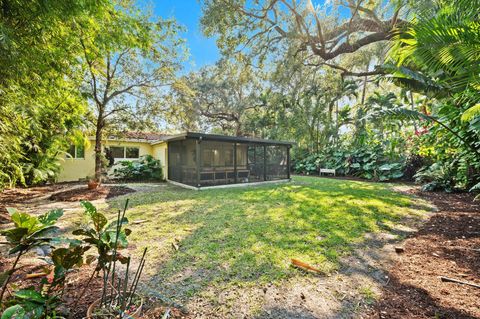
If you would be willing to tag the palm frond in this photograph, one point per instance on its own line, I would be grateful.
(471, 113)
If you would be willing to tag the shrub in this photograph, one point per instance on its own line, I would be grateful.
(367, 162)
(145, 168)
(438, 176)
(413, 164)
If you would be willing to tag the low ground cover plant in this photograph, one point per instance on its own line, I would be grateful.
(365, 162)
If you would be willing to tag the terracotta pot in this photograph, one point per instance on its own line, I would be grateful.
(93, 184)
(93, 306)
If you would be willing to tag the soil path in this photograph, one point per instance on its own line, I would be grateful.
(448, 244)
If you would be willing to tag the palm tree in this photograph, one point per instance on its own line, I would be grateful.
(439, 50)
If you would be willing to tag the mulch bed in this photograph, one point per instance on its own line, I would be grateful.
(11, 197)
(447, 245)
(78, 194)
(75, 284)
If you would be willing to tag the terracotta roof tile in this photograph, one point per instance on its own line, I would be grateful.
(149, 136)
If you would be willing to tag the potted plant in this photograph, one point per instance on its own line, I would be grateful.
(92, 183)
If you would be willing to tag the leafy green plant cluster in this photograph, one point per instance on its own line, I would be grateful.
(145, 168)
(364, 162)
(39, 232)
(62, 255)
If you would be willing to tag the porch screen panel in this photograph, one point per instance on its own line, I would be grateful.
(277, 162)
(182, 162)
(217, 163)
(243, 172)
(256, 163)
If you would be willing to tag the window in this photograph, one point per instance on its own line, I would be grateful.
(80, 151)
(117, 152)
(132, 152)
(71, 151)
(76, 151)
(125, 152)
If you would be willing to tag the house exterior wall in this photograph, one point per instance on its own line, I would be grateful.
(74, 169)
(159, 152)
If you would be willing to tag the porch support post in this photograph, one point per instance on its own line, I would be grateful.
(235, 163)
(264, 162)
(198, 149)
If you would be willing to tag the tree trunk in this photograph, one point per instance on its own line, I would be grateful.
(238, 130)
(98, 148)
(336, 123)
(364, 91)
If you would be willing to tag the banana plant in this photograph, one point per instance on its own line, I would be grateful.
(28, 232)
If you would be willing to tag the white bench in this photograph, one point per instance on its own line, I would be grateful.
(327, 171)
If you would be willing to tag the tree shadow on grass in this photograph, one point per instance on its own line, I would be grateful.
(238, 237)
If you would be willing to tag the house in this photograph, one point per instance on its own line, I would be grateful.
(191, 159)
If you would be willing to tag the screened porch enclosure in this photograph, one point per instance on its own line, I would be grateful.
(201, 162)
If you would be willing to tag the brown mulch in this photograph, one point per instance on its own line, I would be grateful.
(448, 244)
(78, 194)
(13, 196)
(75, 284)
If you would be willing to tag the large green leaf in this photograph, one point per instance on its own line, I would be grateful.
(99, 221)
(14, 312)
(51, 217)
(43, 232)
(113, 225)
(84, 232)
(68, 257)
(15, 235)
(88, 206)
(24, 220)
(31, 295)
(18, 248)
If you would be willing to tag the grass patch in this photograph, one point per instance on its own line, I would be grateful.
(243, 236)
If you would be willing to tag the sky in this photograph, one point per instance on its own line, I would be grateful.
(203, 50)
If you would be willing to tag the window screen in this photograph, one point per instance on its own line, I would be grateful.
(132, 152)
(76, 151)
(117, 152)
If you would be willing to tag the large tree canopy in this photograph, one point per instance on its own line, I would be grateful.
(129, 58)
(326, 32)
(219, 96)
(40, 72)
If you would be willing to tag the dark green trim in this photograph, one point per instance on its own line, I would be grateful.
(225, 138)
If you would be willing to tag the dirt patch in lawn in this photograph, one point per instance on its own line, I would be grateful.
(14, 196)
(78, 194)
(448, 244)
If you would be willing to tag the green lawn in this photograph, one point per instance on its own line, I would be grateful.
(242, 236)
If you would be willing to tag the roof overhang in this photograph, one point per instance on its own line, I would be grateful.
(225, 138)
